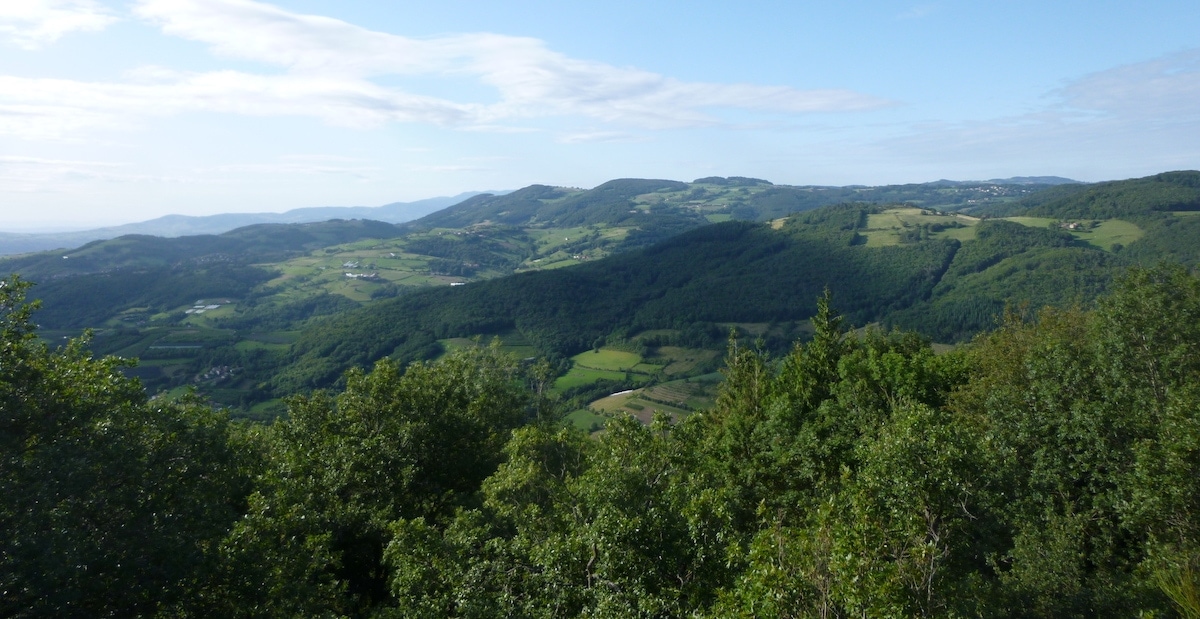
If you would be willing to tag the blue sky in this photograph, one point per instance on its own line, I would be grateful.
(114, 111)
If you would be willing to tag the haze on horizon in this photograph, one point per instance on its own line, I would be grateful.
(120, 111)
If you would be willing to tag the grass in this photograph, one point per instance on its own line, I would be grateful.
(1111, 232)
(615, 402)
(579, 376)
(586, 420)
(884, 229)
(684, 360)
(678, 399)
(607, 359)
(1105, 235)
(1032, 222)
(646, 413)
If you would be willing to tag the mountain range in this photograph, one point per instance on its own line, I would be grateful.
(655, 268)
(171, 226)
(397, 212)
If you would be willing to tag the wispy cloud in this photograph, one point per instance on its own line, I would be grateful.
(297, 168)
(1166, 88)
(1147, 108)
(28, 174)
(32, 24)
(449, 168)
(330, 69)
(918, 11)
(600, 136)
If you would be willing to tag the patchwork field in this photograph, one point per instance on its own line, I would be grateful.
(907, 225)
(899, 225)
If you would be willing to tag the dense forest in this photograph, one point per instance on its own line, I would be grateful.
(1046, 469)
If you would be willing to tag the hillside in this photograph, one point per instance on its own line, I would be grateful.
(265, 311)
(948, 277)
(187, 225)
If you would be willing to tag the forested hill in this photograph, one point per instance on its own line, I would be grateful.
(945, 275)
(260, 243)
(1159, 194)
(561, 270)
(730, 272)
(714, 198)
(735, 272)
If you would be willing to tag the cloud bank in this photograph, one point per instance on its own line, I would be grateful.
(33, 24)
(325, 68)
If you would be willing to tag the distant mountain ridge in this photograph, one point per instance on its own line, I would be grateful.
(557, 270)
(172, 226)
(526, 203)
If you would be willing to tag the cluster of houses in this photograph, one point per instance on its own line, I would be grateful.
(216, 373)
(1076, 225)
(200, 307)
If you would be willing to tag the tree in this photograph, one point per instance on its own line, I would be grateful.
(113, 505)
(395, 444)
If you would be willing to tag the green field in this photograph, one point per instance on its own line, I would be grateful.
(891, 226)
(1032, 222)
(579, 376)
(1110, 233)
(677, 398)
(887, 228)
(684, 360)
(586, 420)
(607, 359)
(615, 402)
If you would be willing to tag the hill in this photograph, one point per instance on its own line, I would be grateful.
(186, 225)
(932, 279)
(265, 311)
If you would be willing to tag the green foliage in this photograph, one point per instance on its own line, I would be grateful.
(1048, 469)
(113, 506)
(1169, 191)
(393, 444)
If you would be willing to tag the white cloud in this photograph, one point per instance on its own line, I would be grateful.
(297, 168)
(32, 24)
(27, 174)
(600, 137)
(1132, 119)
(326, 68)
(1166, 88)
(449, 168)
(918, 11)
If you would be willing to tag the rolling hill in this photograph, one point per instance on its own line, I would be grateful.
(649, 263)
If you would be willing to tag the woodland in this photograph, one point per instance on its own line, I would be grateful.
(419, 460)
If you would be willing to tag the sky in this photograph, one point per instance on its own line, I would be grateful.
(117, 111)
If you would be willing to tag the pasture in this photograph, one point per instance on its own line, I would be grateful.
(893, 226)
(607, 359)
(1109, 233)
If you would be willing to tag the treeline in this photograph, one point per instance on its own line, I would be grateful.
(1169, 191)
(1048, 469)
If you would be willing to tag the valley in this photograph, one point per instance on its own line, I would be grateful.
(633, 267)
(526, 403)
